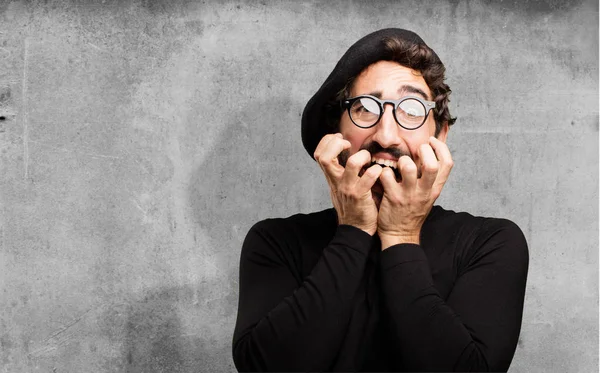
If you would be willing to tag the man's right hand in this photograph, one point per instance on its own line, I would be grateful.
(350, 193)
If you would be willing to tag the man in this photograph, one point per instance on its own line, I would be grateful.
(384, 281)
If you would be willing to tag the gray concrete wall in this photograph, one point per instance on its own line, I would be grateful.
(141, 140)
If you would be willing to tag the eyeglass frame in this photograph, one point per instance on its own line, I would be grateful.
(428, 105)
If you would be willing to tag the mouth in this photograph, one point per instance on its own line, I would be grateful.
(386, 163)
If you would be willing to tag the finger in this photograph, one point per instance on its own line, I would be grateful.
(389, 183)
(319, 150)
(429, 167)
(328, 157)
(323, 144)
(408, 170)
(332, 149)
(368, 179)
(354, 164)
(445, 160)
(441, 151)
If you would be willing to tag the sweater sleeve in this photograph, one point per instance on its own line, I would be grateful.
(286, 323)
(477, 327)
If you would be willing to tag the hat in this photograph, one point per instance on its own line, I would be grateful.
(361, 54)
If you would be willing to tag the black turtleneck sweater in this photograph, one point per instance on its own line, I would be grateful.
(315, 296)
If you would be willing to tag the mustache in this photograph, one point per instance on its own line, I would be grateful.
(373, 148)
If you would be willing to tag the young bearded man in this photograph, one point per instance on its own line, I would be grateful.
(385, 280)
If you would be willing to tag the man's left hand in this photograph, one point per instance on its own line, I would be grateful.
(406, 204)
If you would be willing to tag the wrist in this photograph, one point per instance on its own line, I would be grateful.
(388, 240)
(369, 230)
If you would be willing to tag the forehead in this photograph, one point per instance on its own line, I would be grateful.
(387, 78)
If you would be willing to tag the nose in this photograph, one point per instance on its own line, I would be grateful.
(387, 132)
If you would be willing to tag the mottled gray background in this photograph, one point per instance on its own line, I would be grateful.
(141, 140)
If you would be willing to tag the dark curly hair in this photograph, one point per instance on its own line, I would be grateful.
(418, 57)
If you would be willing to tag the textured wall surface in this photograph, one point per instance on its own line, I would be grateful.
(141, 140)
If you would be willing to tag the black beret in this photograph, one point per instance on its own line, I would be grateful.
(361, 54)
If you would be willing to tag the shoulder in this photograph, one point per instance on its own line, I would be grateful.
(503, 239)
(293, 233)
(296, 224)
(479, 236)
(472, 225)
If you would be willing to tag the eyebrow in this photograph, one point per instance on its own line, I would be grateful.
(404, 89)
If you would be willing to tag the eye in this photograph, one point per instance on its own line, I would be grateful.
(369, 105)
(358, 108)
(412, 112)
(365, 106)
(411, 108)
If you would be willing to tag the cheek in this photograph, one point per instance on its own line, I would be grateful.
(355, 135)
(414, 139)
(418, 137)
(430, 124)
(356, 139)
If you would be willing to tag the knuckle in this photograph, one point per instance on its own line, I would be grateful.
(373, 171)
(353, 162)
(322, 142)
(350, 195)
(430, 167)
(363, 153)
(424, 148)
(368, 173)
(343, 190)
(408, 167)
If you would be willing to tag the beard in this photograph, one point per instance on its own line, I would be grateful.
(374, 148)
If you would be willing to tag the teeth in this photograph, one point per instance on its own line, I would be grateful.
(385, 162)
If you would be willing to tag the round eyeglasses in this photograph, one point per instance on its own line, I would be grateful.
(410, 112)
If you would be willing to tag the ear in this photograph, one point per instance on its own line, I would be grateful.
(443, 135)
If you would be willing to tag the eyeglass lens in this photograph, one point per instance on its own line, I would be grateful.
(365, 112)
